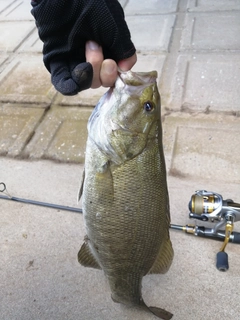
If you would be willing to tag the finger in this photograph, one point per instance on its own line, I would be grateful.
(108, 73)
(94, 55)
(71, 83)
(128, 63)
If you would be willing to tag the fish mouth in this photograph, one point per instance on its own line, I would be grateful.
(138, 78)
(132, 82)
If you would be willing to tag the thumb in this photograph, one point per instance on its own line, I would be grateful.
(69, 80)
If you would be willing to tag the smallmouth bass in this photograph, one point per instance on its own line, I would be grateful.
(124, 190)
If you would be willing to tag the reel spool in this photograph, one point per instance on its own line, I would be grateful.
(205, 205)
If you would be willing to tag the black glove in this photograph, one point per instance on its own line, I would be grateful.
(65, 26)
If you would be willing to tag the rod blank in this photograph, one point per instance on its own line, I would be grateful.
(42, 204)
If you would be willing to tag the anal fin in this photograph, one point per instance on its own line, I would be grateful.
(86, 258)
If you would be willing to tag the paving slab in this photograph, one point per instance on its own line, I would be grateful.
(32, 44)
(3, 58)
(26, 80)
(4, 4)
(13, 34)
(17, 10)
(41, 278)
(213, 5)
(135, 7)
(202, 145)
(215, 25)
(89, 97)
(17, 125)
(61, 136)
(151, 32)
(206, 81)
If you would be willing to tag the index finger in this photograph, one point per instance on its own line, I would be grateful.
(94, 55)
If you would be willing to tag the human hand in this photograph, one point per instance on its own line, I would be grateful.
(66, 28)
(105, 72)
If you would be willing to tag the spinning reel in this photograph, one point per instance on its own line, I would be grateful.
(210, 207)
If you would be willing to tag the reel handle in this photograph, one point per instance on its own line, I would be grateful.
(222, 261)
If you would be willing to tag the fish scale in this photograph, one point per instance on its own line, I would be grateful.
(124, 192)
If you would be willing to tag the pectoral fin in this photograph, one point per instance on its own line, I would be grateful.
(164, 259)
(86, 258)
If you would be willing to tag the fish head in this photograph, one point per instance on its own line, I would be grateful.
(127, 116)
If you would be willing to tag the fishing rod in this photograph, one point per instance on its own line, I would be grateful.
(3, 189)
(204, 206)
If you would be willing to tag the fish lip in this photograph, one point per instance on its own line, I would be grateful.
(140, 78)
(133, 83)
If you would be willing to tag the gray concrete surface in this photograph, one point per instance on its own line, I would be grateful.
(40, 275)
(195, 47)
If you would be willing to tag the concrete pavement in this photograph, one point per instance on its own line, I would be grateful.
(41, 278)
(195, 47)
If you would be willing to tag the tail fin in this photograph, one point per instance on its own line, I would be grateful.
(161, 313)
(128, 292)
(158, 312)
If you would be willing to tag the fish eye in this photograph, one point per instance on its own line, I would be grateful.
(148, 106)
